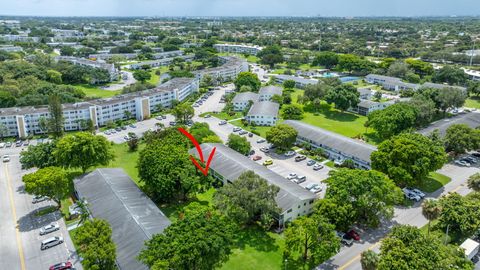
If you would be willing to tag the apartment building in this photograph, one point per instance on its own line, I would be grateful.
(237, 48)
(106, 56)
(19, 38)
(293, 200)
(229, 70)
(24, 121)
(267, 92)
(339, 148)
(263, 113)
(241, 100)
(391, 83)
(9, 48)
(160, 62)
(299, 81)
(110, 68)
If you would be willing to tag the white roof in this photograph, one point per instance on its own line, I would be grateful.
(469, 246)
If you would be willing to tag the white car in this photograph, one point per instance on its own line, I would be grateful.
(49, 228)
(317, 167)
(310, 186)
(38, 199)
(462, 163)
(6, 158)
(235, 129)
(290, 153)
(291, 176)
(261, 140)
(223, 122)
(2, 145)
(418, 192)
(411, 195)
(316, 189)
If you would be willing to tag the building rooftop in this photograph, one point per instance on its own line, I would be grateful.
(113, 196)
(442, 86)
(333, 140)
(245, 97)
(267, 108)
(297, 79)
(367, 103)
(230, 164)
(471, 119)
(270, 90)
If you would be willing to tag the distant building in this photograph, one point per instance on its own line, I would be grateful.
(390, 83)
(365, 93)
(112, 196)
(471, 119)
(241, 100)
(299, 81)
(228, 71)
(170, 54)
(160, 62)
(237, 48)
(293, 200)
(9, 48)
(106, 56)
(442, 86)
(110, 68)
(473, 74)
(19, 38)
(365, 107)
(267, 92)
(263, 113)
(338, 148)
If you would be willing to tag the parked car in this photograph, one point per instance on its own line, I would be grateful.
(207, 116)
(470, 159)
(255, 158)
(264, 149)
(317, 167)
(159, 117)
(118, 129)
(18, 143)
(353, 235)
(300, 179)
(6, 158)
(291, 176)
(2, 145)
(172, 123)
(26, 143)
(223, 122)
(243, 132)
(126, 138)
(51, 242)
(123, 127)
(251, 152)
(409, 194)
(236, 129)
(261, 140)
(300, 158)
(49, 228)
(290, 153)
(250, 134)
(476, 154)
(132, 125)
(38, 199)
(310, 186)
(418, 192)
(462, 163)
(61, 266)
(316, 189)
(344, 239)
(267, 162)
(311, 162)
(8, 144)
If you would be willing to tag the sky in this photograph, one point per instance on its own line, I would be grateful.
(324, 8)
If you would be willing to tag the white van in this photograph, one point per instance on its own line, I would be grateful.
(51, 242)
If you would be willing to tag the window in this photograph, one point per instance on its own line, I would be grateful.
(289, 210)
(310, 202)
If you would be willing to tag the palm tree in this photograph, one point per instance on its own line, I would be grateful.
(369, 260)
(431, 209)
(84, 213)
(474, 182)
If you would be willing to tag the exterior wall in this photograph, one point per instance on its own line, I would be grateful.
(262, 120)
(336, 155)
(22, 133)
(240, 106)
(303, 208)
(145, 108)
(232, 48)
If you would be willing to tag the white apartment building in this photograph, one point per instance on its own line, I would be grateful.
(241, 100)
(9, 48)
(267, 92)
(229, 70)
(160, 62)
(24, 121)
(263, 113)
(110, 68)
(237, 48)
(19, 38)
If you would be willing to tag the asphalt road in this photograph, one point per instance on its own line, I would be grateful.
(19, 224)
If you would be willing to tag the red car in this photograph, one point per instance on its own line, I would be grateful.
(255, 158)
(354, 235)
(61, 266)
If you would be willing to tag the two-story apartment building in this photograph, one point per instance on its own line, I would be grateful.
(267, 92)
(263, 113)
(241, 100)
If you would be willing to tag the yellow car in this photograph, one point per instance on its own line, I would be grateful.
(267, 162)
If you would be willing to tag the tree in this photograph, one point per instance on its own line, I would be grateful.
(370, 194)
(239, 144)
(83, 150)
(398, 69)
(183, 112)
(289, 84)
(67, 51)
(248, 200)
(473, 88)
(457, 214)
(55, 122)
(292, 111)
(377, 96)
(392, 120)
(474, 182)
(200, 131)
(95, 245)
(450, 98)
(132, 143)
(313, 238)
(282, 136)
(326, 59)
(199, 239)
(369, 260)
(344, 96)
(340, 215)
(248, 79)
(277, 99)
(51, 182)
(420, 67)
(316, 91)
(38, 156)
(431, 210)
(270, 55)
(425, 109)
(406, 247)
(451, 75)
(7, 99)
(408, 158)
(460, 138)
(165, 168)
(54, 76)
(142, 75)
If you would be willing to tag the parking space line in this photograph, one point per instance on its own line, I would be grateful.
(14, 214)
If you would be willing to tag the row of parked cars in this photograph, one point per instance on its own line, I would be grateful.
(413, 194)
(468, 160)
(203, 98)
(17, 144)
(118, 129)
(315, 166)
(348, 237)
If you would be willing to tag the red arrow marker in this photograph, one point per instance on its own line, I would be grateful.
(200, 153)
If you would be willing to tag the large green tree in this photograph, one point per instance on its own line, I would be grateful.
(56, 120)
(336, 212)
(451, 75)
(344, 96)
(200, 239)
(202, 133)
(51, 182)
(39, 156)
(474, 182)
(408, 158)
(369, 260)
(424, 108)
(392, 120)
(282, 136)
(450, 98)
(165, 168)
(142, 75)
(326, 59)
(370, 195)
(406, 247)
(83, 150)
(249, 199)
(457, 214)
(239, 144)
(183, 112)
(460, 138)
(271, 55)
(431, 210)
(292, 111)
(248, 79)
(312, 239)
(95, 245)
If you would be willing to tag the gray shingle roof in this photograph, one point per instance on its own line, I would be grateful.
(270, 90)
(230, 164)
(442, 86)
(245, 97)
(297, 79)
(266, 108)
(113, 196)
(333, 140)
(471, 119)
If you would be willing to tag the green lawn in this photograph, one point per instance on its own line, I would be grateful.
(473, 102)
(260, 129)
(155, 79)
(225, 116)
(330, 164)
(434, 182)
(172, 210)
(95, 92)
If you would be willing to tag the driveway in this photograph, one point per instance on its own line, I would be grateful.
(129, 79)
(19, 224)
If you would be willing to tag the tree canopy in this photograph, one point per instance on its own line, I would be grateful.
(51, 182)
(271, 55)
(344, 96)
(460, 138)
(239, 144)
(392, 120)
(282, 136)
(38, 156)
(247, 79)
(292, 111)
